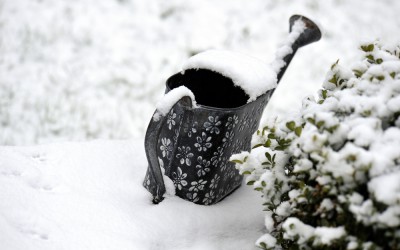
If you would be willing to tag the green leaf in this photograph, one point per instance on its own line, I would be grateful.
(324, 93)
(393, 75)
(256, 146)
(320, 124)
(291, 125)
(311, 120)
(358, 73)
(268, 155)
(267, 143)
(371, 58)
(367, 48)
(237, 161)
(258, 189)
(263, 245)
(246, 172)
(264, 129)
(335, 64)
(333, 128)
(334, 80)
(250, 183)
(298, 130)
(379, 61)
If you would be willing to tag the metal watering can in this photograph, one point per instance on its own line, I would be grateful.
(192, 146)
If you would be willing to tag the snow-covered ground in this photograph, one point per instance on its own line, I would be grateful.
(87, 69)
(84, 69)
(90, 196)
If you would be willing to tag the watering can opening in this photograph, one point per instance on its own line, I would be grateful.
(210, 88)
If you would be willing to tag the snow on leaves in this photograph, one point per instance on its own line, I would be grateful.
(336, 161)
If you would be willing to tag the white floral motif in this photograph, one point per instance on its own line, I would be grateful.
(223, 164)
(192, 197)
(184, 155)
(212, 124)
(232, 122)
(227, 141)
(203, 142)
(171, 119)
(217, 156)
(203, 166)
(166, 147)
(208, 197)
(193, 130)
(197, 185)
(215, 181)
(179, 178)
(239, 146)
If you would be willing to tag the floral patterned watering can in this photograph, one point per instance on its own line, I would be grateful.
(192, 146)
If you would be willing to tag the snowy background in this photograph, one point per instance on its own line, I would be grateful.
(77, 70)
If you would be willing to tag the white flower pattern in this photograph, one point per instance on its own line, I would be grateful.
(166, 147)
(199, 149)
(179, 179)
(203, 143)
(232, 122)
(171, 119)
(197, 185)
(209, 197)
(215, 181)
(203, 166)
(184, 155)
(212, 124)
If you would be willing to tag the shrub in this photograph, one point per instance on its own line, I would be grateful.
(330, 174)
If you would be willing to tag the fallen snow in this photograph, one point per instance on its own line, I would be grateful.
(90, 196)
(286, 48)
(254, 76)
(170, 99)
(99, 69)
(386, 188)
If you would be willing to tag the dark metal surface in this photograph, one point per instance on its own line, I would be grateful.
(193, 146)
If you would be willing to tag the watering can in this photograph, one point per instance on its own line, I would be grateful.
(188, 145)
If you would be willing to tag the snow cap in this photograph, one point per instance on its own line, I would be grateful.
(249, 73)
(170, 99)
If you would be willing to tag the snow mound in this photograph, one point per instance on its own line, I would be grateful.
(249, 73)
(90, 196)
(169, 100)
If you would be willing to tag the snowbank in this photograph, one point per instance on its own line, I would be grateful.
(90, 196)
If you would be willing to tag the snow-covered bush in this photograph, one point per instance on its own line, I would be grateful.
(330, 174)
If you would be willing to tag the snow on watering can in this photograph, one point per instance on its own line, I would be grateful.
(209, 112)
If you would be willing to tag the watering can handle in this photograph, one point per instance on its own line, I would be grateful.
(155, 173)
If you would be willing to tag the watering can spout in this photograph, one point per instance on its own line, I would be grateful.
(310, 33)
